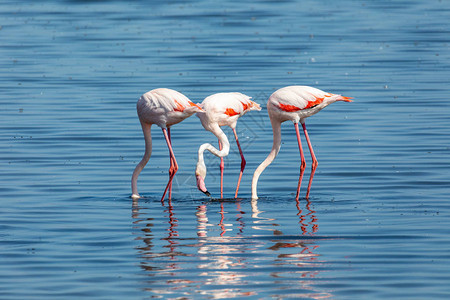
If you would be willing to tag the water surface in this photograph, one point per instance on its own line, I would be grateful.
(375, 224)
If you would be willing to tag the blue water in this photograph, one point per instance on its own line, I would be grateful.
(376, 224)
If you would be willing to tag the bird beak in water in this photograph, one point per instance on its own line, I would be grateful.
(201, 186)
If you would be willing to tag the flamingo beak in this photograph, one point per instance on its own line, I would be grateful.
(201, 186)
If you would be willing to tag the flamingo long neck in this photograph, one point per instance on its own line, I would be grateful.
(276, 127)
(215, 129)
(146, 129)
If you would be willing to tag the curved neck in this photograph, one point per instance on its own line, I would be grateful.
(215, 129)
(276, 127)
(146, 129)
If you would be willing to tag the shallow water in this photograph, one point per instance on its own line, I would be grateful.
(375, 225)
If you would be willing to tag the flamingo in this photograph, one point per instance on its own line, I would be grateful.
(222, 109)
(294, 103)
(163, 107)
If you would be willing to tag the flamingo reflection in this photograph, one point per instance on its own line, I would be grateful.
(303, 218)
(173, 233)
(229, 235)
(307, 228)
(146, 236)
(145, 225)
(299, 252)
(221, 257)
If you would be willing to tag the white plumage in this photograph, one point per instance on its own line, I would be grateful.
(222, 109)
(163, 107)
(294, 103)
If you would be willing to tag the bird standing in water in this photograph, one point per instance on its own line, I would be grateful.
(294, 103)
(222, 109)
(163, 107)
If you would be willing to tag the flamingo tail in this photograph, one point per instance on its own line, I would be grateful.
(346, 99)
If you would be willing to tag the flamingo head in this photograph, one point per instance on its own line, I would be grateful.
(200, 174)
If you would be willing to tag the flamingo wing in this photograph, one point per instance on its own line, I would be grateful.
(171, 100)
(239, 104)
(231, 112)
(295, 98)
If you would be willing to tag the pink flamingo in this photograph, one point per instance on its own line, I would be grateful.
(163, 107)
(294, 103)
(222, 109)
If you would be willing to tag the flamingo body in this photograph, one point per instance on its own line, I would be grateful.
(222, 109)
(163, 107)
(293, 103)
(296, 103)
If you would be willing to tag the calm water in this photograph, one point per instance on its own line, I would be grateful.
(375, 227)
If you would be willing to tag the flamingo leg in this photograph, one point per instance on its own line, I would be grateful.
(303, 162)
(172, 164)
(302, 157)
(314, 160)
(243, 163)
(313, 170)
(222, 167)
(300, 179)
(175, 164)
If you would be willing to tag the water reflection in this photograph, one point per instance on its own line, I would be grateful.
(300, 253)
(222, 261)
(310, 227)
(307, 227)
(221, 249)
(173, 233)
(146, 234)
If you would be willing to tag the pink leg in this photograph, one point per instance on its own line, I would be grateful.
(175, 165)
(222, 167)
(313, 170)
(300, 179)
(303, 162)
(314, 160)
(243, 163)
(172, 165)
(302, 157)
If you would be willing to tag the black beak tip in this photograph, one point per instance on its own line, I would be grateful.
(207, 194)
